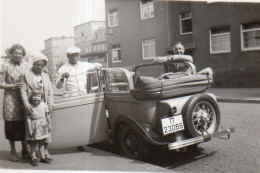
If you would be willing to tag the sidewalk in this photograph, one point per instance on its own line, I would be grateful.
(236, 95)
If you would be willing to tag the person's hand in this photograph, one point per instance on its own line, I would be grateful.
(45, 70)
(18, 85)
(28, 108)
(98, 66)
(64, 75)
(50, 108)
(30, 132)
(50, 127)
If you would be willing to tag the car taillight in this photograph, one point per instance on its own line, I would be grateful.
(172, 111)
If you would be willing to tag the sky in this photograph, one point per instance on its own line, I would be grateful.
(30, 22)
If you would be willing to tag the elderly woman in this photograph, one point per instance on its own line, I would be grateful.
(33, 79)
(10, 80)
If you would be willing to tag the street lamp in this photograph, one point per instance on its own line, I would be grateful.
(109, 34)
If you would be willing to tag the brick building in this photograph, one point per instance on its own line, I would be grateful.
(221, 35)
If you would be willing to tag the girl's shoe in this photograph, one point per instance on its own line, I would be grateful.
(26, 154)
(34, 162)
(14, 158)
(45, 160)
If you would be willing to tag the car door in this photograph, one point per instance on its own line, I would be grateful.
(80, 120)
(117, 83)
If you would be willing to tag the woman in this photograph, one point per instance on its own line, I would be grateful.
(36, 78)
(10, 80)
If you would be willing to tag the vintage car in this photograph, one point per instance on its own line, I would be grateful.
(162, 105)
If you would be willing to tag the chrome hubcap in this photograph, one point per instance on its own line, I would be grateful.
(204, 117)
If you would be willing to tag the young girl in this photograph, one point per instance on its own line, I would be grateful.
(39, 125)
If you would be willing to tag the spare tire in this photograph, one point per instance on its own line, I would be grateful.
(201, 114)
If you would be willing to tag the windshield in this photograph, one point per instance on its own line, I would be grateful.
(155, 70)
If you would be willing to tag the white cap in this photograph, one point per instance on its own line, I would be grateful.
(72, 50)
(40, 57)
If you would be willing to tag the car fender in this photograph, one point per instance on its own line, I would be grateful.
(179, 102)
(141, 128)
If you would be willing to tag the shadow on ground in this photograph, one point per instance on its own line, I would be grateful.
(162, 157)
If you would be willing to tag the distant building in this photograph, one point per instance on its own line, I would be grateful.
(221, 35)
(55, 50)
(87, 10)
(90, 37)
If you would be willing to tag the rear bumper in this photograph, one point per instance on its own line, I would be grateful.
(199, 139)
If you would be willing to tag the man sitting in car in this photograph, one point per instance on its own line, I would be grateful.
(178, 50)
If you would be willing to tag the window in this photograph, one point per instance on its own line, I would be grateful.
(112, 18)
(56, 49)
(186, 23)
(250, 36)
(98, 47)
(103, 46)
(147, 9)
(116, 80)
(116, 53)
(94, 48)
(92, 83)
(220, 40)
(149, 49)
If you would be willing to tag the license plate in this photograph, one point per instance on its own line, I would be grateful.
(172, 124)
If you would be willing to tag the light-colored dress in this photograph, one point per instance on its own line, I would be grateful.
(39, 122)
(12, 108)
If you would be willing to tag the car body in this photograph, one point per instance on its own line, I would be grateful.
(145, 105)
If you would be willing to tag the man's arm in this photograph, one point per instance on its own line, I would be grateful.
(180, 58)
(62, 75)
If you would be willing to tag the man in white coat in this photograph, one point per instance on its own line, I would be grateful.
(73, 75)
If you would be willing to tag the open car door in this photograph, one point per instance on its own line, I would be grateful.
(80, 120)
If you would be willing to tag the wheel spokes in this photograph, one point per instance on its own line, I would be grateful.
(203, 117)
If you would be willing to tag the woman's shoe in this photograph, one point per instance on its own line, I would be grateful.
(14, 158)
(26, 154)
(48, 156)
(45, 160)
(34, 162)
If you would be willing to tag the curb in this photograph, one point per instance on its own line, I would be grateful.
(237, 100)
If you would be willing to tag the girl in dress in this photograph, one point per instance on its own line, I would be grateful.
(39, 125)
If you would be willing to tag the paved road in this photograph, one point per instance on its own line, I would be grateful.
(72, 160)
(240, 154)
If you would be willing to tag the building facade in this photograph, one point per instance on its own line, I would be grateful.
(223, 36)
(55, 50)
(90, 37)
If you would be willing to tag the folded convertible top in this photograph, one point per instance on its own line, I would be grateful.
(149, 88)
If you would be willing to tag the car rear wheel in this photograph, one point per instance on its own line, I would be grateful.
(131, 144)
(201, 115)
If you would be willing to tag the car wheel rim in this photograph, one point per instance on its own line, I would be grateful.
(204, 117)
(132, 143)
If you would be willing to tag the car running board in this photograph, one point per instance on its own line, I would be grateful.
(200, 139)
